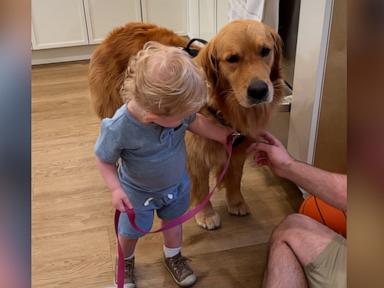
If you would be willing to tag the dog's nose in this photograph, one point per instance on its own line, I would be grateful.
(257, 90)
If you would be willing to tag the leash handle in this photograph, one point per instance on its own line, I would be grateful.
(174, 222)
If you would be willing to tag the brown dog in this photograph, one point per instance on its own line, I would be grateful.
(242, 66)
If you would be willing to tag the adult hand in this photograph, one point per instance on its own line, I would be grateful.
(268, 150)
(119, 198)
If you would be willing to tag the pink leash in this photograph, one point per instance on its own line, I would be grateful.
(177, 221)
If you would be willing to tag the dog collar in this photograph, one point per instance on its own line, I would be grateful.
(235, 138)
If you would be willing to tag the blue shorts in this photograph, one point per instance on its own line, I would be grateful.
(169, 204)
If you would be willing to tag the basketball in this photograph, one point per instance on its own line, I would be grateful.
(324, 213)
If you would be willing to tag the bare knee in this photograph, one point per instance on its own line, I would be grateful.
(288, 227)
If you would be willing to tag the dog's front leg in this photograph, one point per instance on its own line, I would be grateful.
(207, 217)
(232, 182)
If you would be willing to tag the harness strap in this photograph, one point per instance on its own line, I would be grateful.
(191, 51)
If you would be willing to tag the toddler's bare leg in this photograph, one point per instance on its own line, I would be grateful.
(128, 245)
(173, 237)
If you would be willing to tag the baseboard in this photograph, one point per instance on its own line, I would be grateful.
(57, 55)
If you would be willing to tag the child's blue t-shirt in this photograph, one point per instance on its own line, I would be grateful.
(153, 158)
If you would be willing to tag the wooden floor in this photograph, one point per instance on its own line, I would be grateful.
(73, 239)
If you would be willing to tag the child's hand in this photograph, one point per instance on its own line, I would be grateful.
(118, 198)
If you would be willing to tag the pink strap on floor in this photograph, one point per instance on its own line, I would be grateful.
(170, 224)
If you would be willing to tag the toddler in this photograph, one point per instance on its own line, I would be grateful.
(163, 89)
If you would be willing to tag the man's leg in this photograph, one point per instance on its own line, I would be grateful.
(296, 242)
(283, 268)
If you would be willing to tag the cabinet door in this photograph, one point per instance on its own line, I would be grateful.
(58, 23)
(222, 13)
(207, 18)
(171, 14)
(103, 16)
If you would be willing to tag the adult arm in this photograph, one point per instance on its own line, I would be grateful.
(330, 187)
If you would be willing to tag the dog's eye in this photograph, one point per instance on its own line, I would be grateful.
(265, 51)
(233, 58)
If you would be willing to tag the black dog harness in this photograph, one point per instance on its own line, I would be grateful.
(192, 51)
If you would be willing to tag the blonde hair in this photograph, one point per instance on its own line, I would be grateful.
(164, 80)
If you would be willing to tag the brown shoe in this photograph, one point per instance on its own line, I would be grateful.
(129, 277)
(180, 271)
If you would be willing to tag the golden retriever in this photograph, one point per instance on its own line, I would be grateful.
(242, 66)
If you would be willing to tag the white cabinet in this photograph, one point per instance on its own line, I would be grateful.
(172, 14)
(64, 23)
(102, 16)
(58, 23)
(206, 17)
(61, 24)
(222, 12)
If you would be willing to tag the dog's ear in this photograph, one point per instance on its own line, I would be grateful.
(277, 49)
(207, 58)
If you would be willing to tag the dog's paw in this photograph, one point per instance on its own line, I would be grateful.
(209, 221)
(240, 209)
